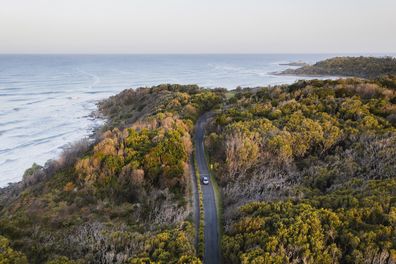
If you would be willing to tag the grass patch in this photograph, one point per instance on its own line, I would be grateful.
(230, 94)
(201, 228)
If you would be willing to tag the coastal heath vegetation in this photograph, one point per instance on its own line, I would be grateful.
(307, 172)
(125, 197)
(363, 67)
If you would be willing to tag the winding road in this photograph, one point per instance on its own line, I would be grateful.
(211, 232)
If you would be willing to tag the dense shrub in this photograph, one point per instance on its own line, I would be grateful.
(117, 196)
(9, 255)
(365, 67)
(327, 147)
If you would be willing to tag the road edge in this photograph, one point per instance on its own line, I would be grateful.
(200, 217)
(218, 199)
(195, 201)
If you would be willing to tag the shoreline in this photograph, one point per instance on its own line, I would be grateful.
(91, 137)
(96, 115)
(310, 76)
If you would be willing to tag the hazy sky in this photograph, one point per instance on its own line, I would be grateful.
(197, 26)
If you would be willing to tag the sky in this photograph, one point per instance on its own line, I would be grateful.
(197, 26)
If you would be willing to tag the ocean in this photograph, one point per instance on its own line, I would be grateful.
(46, 100)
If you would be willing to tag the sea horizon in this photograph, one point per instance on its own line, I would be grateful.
(208, 53)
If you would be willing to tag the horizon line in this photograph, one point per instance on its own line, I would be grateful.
(203, 53)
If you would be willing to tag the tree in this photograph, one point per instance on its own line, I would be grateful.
(9, 255)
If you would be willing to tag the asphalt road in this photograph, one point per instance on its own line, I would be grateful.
(211, 232)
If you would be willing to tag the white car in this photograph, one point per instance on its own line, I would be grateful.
(205, 180)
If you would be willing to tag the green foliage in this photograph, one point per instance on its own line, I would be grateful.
(125, 161)
(318, 155)
(167, 160)
(366, 67)
(62, 260)
(31, 171)
(170, 246)
(201, 226)
(346, 226)
(9, 255)
(293, 122)
(321, 156)
(113, 197)
(187, 101)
